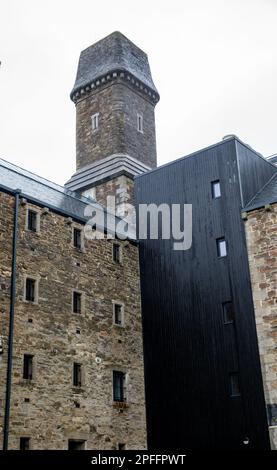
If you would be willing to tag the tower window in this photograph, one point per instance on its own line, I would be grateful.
(140, 123)
(116, 253)
(30, 290)
(28, 367)
(77, 302)
(234, 384)
(77, 238)
(32, 221)
(78, 444)
(228, 312)
(221, 247)
(95, 121)
(24, 443)
(118, 314)
(77, 374)
(119, 379)
(216, 191)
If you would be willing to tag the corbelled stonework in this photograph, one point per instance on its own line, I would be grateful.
(261, 232)
(48, 408)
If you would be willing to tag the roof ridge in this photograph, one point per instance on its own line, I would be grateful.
(28, 171)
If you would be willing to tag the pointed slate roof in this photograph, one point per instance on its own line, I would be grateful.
(113, 53)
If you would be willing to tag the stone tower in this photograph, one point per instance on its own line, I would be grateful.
(115, 100)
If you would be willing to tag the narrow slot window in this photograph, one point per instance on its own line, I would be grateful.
(216, 190)
(221, 247)
(77, 302)
(228, 312)
(77, 238)
(32, 220)
(140, 123)
(95, 122)
(116, 253)
(30, 290)
(24, 443)
(118, 314)
(28, 367)
(118, 386)
(77, 375)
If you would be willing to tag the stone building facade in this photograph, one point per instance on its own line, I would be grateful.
(47, 408)
(261, 233)
(77, 375)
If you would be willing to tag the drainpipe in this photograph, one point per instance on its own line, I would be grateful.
(11, 324)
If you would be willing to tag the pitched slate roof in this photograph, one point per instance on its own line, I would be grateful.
(113, 53)
(45, 193)
(266, 195)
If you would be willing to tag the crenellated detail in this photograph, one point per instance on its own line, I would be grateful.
(149, 94)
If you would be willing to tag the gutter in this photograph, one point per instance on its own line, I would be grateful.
(17, 193)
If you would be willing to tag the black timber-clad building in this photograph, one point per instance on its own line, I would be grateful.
(203, 379)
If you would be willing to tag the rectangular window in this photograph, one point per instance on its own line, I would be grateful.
(234, 384)
(228, 312)
(216, 191)
(140, 123)
(32, 220)
(77, 374)
(28, 367)
(121, 446)
(119, 386)
(116, 253)
(221, 247)
(30, 290)
(95, 121)
(77, 238)
(24, 443)
(118, 314)
(76, 444)
(77, 302)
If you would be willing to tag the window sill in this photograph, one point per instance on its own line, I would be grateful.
(30, 302)
(120, 405)
(28, 382)
(79, 250)
(78, 390)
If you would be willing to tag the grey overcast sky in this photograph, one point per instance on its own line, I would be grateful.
(214, 63)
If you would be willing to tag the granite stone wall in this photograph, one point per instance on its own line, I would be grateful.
(48, 408)
(121, 187)
(261, 232)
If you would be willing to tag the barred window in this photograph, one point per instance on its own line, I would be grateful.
(30, 290)
(119, 386)
(32, 220)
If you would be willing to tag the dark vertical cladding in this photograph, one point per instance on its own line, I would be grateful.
(255, 171)
(203, 379)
